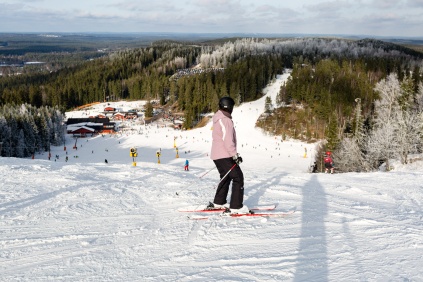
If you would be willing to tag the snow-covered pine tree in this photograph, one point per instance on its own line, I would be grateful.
(14, 130)
(44, 132)
(4, 137)
(20, 145)
(36, 145)
(57, 127)
(29, 135)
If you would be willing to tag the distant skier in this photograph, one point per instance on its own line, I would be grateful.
(225, 157)
(314, 168)
(186, 165)
(328, 163)
(305, 154)
(106, 161)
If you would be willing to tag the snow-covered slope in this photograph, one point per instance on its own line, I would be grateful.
(91, 221)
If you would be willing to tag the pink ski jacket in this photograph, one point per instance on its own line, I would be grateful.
(224, 136)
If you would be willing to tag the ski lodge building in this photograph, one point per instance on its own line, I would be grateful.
(87, 126)
(115, 114)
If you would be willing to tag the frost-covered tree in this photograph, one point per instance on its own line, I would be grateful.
(382, 140)
(24, 129)
(381, 145)
(396, 132)
(303, 48)
(408, 129)
(4, 137)
(20, 145)
(349, 156)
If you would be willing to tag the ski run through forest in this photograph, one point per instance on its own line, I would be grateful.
(85, 220)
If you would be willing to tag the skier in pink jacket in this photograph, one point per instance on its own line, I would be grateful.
(225, 156)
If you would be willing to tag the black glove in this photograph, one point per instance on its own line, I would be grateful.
(237, 158)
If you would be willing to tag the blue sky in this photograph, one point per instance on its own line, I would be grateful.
(372, 17)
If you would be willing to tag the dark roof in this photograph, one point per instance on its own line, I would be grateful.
(95, 120)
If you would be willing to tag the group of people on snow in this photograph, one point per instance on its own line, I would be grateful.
(327, 162)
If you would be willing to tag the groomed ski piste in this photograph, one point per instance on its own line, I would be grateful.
(85, 220)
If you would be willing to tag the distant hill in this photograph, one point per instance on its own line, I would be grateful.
(387, 46)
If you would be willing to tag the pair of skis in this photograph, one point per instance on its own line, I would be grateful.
(255, 211)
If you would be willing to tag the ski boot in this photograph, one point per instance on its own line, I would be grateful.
(213, 206)
(243, 210)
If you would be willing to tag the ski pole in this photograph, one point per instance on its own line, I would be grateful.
(177, 193)
(224, 176)
(218, 183)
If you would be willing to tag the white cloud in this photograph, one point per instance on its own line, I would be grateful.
(386, 4)
(415, 3)
(267, 16)
(4, 7)
(328, 6)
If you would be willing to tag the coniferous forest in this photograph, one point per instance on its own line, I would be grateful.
(26, 129)
(318, 100)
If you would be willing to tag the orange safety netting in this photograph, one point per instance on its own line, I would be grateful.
(87, 105)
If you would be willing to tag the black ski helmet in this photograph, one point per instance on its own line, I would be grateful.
(227, 103)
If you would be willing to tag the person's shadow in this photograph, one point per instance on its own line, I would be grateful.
(312, 250)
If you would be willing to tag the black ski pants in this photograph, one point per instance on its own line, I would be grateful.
(237, 177)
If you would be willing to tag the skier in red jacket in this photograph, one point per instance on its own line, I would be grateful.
(328, 163)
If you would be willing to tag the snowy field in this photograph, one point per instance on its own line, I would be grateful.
(85, 220)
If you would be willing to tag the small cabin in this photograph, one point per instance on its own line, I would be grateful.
(119, 116)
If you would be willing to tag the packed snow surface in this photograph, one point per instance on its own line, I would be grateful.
(85, 220)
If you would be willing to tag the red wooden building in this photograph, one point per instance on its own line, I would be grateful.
(119, 116)
(82, 131)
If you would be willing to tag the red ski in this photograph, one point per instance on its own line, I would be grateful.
(202, 208)
(246, 214)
